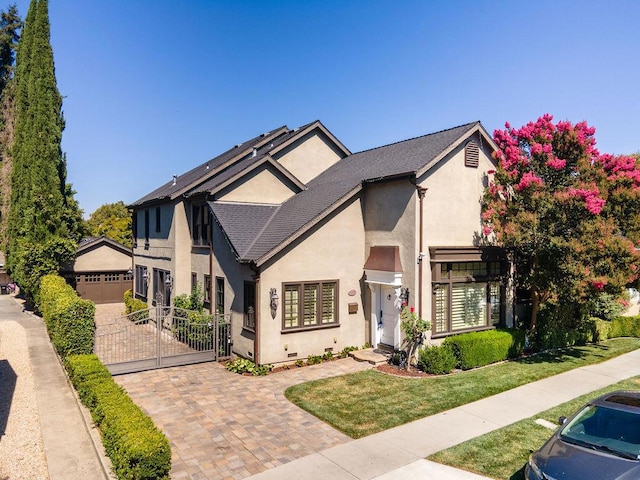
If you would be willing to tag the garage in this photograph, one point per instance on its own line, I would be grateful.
(101, 271)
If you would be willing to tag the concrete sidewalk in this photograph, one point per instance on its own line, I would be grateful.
(73, 449)
(399, 453)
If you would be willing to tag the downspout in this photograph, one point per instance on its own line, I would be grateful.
(211, 278)
(256, 315)
(421, 193)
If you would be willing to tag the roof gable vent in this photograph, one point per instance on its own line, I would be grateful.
(471, 154)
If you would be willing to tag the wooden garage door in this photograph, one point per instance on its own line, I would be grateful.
(103, 287)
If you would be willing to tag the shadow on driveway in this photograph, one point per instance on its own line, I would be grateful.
(8, 379)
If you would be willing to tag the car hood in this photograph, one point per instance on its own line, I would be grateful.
(565, 461)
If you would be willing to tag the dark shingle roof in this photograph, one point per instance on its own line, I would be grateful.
(207, 169)
(330, 189)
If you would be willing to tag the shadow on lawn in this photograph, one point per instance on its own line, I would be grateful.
(559, 356)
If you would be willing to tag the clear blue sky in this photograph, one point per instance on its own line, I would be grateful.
(155, 87)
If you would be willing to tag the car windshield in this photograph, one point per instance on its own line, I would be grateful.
(607, 429)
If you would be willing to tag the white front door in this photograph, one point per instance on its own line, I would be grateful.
(390, 315)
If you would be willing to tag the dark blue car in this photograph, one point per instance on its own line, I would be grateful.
(600, 442)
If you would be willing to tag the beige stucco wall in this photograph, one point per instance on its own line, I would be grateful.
(310, 156)
(452, 202)
(333, 251)
(452, 206)
(263, 185)
(161, 251)
(104, 258)
(390, 219)
(180, 237)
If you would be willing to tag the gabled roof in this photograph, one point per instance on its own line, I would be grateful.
(91, 243)
(332, 188)
(196, 176)
(234, 163)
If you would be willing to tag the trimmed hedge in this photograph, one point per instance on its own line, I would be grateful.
(70, 320)
(135, 305)
(625, 327)
(137, 449)
(437, 360)
(476, 349)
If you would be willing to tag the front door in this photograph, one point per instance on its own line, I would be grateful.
(390, 315)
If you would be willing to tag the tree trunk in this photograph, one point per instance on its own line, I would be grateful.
(535, 307)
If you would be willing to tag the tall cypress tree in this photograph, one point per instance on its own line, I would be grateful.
(44, 218)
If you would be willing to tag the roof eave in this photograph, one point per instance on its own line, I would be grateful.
(305, 228)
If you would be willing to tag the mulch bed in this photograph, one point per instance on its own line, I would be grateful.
(401, 372)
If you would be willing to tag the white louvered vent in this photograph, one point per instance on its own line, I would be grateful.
(471, 154)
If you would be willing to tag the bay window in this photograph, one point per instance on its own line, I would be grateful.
(466, 296)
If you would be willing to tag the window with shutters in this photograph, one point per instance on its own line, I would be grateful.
(471, 154)
(309, 305)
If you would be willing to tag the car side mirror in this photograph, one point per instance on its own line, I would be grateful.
(562, 420)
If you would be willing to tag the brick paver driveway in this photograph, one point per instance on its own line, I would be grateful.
(226, 426)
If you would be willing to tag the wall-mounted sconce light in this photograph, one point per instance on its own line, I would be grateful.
(129, 272)
(273, 296)
(421, 255)
(404, 296)
(145, 277)
(168, 281)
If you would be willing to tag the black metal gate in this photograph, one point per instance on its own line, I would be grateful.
(162, 336)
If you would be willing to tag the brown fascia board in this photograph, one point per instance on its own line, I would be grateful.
(235, 158)
(477, 127)
(88, 246)
(305, 228)
(309, 128)
(265, 159)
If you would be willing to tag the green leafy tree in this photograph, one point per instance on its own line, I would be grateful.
(44, 218)
(10, 24)
(568, 214)
(112, 220)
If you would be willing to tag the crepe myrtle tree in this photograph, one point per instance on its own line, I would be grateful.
(569, 215)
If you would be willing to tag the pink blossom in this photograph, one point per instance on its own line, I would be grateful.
(556, 163)
(528, 179)
(598, 284)
(594, 204)
(412, 309)
(491, 172)
(592, 200)
(486, 230)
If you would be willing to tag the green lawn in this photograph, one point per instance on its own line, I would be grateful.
(503, 453)
(368, 402)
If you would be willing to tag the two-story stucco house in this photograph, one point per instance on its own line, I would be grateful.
(309, 248)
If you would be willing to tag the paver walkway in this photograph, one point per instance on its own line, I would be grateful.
(226, 426)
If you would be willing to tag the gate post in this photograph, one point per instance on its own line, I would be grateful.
(159, 326)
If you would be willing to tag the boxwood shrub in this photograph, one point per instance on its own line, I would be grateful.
(625, 327)
(135, 306)
(70, 320)
(476, 349)
(437, 359)
(137, 449)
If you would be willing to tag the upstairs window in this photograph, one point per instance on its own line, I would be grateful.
(200, 225)
(146, 228)
(158, 220)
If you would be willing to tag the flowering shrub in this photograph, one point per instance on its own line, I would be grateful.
(568, 213)
(414, 329)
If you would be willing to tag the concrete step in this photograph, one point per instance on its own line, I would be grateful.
(370, 355)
